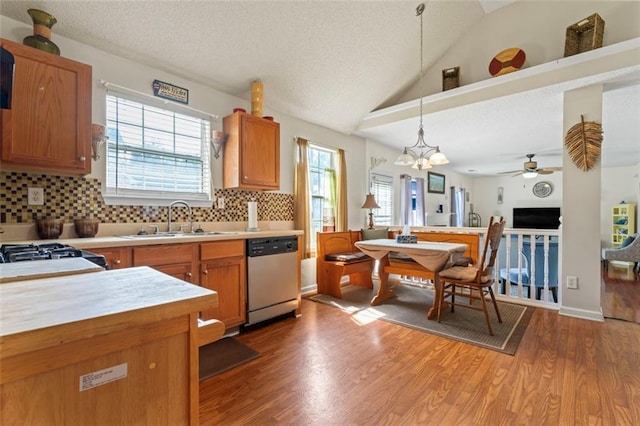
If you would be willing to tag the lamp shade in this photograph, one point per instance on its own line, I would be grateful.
(370, 202)
(405, 159)
(529, 175)
(438, 158)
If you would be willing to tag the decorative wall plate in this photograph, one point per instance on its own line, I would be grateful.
(507, 61)
(542, 189)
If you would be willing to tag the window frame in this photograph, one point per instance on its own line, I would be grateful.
(124, 196)
(319, 197)
(382, 202)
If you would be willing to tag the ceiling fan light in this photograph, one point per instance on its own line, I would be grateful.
(438, 158)
(529, 175)
(405, 159)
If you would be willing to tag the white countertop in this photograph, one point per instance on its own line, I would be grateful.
(116, 241)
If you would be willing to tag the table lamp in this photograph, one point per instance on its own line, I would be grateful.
(370, 203)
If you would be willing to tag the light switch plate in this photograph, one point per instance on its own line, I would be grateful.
(35, 196)
(572, 282)
(221, 202)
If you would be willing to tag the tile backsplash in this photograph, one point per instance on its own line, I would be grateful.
(70, 197)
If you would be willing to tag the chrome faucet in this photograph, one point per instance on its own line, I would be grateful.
(184, 203)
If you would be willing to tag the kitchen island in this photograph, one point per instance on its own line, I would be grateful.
(111, 347)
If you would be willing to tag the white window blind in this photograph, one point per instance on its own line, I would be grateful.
(154, 152)
(382, 190)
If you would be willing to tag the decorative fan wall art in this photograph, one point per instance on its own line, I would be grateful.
(583, 142)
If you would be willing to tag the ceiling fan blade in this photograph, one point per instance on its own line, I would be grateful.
(518, 173)
(553, 169)
(545, 172)
(509, 172)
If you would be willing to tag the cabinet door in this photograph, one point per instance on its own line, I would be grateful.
(48, 127)
(181, 271)
(117, 257)
(260, 158)
(178, 260)
(251, 158)
(228, 278)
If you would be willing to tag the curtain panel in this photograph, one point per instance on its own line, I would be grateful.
(301, 202)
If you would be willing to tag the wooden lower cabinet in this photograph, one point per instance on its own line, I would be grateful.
(223, 269)
(177, 260)
(216, 265)
(116, 257)
(183, 271)
(227, 277)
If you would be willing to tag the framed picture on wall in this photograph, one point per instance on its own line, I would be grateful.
(435, 183)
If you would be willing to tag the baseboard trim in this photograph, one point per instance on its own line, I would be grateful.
(582, 313)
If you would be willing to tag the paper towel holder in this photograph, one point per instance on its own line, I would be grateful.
(252, 213)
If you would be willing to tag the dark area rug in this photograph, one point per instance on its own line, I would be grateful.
(223, 355)
(409, 308)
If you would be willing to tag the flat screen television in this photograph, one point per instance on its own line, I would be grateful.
(536, 217)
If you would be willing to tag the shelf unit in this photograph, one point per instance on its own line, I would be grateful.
(623, 222)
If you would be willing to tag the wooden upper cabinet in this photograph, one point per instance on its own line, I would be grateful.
(251, 153)
(48, 127)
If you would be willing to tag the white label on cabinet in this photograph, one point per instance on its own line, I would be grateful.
(101, 377)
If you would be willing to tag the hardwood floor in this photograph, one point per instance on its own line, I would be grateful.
(324, 368)
(620, 296)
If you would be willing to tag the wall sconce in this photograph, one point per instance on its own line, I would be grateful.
(375, 162)
(98, 138)
(218, 140)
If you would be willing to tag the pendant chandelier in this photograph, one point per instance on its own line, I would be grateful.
(421, 155)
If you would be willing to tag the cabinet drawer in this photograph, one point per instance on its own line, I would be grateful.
(164, 254)
(221, 249)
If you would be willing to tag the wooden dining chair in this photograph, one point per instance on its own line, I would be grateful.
(474, 282)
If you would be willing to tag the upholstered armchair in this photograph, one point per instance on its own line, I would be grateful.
(629, 251)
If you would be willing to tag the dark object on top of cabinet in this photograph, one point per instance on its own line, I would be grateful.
(251, 153)
(7, 64)
(48, 127)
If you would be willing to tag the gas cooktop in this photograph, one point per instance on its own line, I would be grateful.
(10, 253)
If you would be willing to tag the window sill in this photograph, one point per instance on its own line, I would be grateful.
(118, 200)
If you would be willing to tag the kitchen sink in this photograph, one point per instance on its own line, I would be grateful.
(193, 234)
(167, 234)
(140, 236)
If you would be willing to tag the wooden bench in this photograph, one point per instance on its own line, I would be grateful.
(412, 268)
(329, 273)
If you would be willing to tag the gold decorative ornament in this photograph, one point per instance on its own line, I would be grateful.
(583, 142)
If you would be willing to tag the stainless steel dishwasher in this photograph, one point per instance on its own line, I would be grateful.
(272, 277)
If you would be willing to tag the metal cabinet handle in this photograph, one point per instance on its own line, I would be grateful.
(82, 158)
(205, 272)
(116, 261)
(188, 274)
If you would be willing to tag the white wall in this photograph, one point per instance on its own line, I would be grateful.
(517, 192)
(139, 77)
(541, 36)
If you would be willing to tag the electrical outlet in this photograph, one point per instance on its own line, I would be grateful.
(221, 202)
(35, 196)
(572, 282)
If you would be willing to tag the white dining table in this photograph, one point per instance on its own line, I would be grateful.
(433, 256)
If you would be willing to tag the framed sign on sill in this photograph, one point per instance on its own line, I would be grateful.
(435, 183)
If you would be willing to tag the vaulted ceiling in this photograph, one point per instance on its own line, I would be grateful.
(331, 63)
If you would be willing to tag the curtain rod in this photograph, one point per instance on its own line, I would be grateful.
(327, 147)
(106, 84)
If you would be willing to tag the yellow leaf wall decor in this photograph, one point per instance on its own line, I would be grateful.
(583, 143)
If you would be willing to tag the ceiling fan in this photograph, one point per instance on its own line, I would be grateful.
(530, 169)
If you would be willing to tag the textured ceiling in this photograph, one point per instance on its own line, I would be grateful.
(327, 62)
